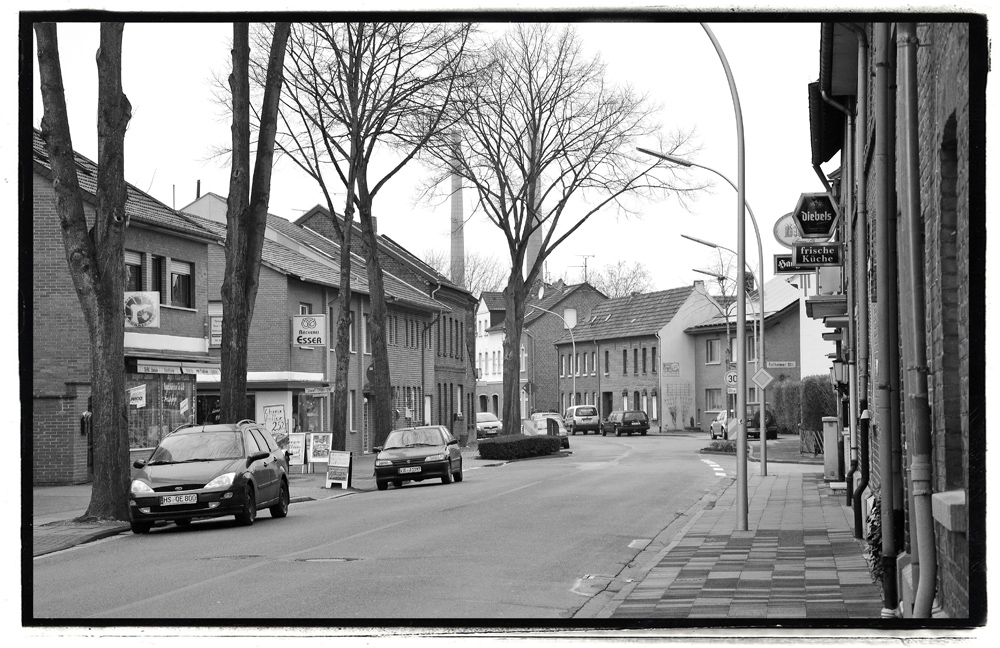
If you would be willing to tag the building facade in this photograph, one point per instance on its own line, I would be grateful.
(899, 103)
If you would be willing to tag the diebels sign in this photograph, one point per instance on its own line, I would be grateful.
(815, 216)
(815, 255)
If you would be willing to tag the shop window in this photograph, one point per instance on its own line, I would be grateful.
(181, 284)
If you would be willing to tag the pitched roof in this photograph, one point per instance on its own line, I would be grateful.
(641, 314)
(779, 294)
(139, 206)
(552, 296)
(494, 300)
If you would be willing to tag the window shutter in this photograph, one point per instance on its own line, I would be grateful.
(133, 258)
(180, 267)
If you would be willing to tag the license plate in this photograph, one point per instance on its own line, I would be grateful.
(167, 500)
(409, 469)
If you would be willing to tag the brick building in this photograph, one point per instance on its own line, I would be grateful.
(903, 106)
(166, 262)
(633, 353)
(546, 321)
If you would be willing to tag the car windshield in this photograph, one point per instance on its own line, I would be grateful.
(634, 416)
(415, 437)
(486, 417)
(199, 446)
(586, 411)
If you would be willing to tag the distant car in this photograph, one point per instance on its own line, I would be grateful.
(719, 427)
(539, 425)
(487, 424)
(753, 423)
(416, 454)
(206, 471)
(625, 422)
(583, 418)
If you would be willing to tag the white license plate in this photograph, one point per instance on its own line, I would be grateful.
(167, 500)
(409, 469)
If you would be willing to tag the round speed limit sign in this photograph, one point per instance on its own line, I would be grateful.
(731, 379)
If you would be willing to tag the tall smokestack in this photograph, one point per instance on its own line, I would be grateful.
(457, 217)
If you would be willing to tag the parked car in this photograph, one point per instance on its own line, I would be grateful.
(207, 471)
(719, 427)
(416, 454)
(539, 424)
(753, 423)
(625, 422)
(583, 418)
(487, 424)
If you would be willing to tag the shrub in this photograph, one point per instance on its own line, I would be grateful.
(818, 400)
(726, 445)
(873, 552)
(786, 396)
(518, 446)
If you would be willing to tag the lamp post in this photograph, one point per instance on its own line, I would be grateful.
(572, 340)
(742, 503)
(759, 313)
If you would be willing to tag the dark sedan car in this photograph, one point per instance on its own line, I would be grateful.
(625, 422)
(416, 454)
(206, 471)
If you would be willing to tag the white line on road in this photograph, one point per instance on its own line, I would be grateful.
(719, 470)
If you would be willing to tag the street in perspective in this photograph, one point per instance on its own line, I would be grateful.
(480, 325)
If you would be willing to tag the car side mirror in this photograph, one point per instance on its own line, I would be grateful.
(288, 455)
(377, 448)
(453, 442)
(139, 463)
(257, 456)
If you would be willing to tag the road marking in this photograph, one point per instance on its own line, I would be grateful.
(719, 470)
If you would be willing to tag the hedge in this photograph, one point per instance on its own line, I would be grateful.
(786, 399)
(818, 400)
(518, 446)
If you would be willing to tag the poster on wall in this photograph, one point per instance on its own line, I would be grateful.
(274, 422)
(297, 448)
(142, 309)
(338, 469)
(137, 396)
(319, 447)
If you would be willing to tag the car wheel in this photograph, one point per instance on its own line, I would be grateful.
(140, 527)
(603, 432)
(249, 512)
(280, 509)
(618, 432)
(642, 434)
(381, 485)
(182, 523)
(447, 477)
(459, 476)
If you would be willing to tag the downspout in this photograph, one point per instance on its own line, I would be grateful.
(884, 229)
(531, 404)
(659, 387)
(916, 322)
(423, 360)
(860, 279)
(600, 394)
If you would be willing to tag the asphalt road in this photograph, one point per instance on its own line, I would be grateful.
(532, 539)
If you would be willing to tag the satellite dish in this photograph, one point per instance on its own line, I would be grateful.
(541, 291)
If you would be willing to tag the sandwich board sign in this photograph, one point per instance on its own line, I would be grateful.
(815, 216)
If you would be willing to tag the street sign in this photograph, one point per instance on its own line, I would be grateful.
(781, 364)
(762, 378)
(815, 216)
(732, 379)
(783, 265)
(815, 255)
(786, 231)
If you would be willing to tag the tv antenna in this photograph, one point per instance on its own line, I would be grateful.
(584, 266)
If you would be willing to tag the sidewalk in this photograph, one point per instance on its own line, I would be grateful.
(798, 560)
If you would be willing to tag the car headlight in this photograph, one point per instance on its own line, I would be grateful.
(437, 457)
(139, 486)
(383, 462)
(222, 481)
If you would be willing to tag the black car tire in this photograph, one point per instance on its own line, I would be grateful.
(249, 512)
(280, 509)
(182, 522)
(381, 485)
(618, 432)
(140, 527)
(643, 433)
(447, 477)
(459, 476)
(603, 432)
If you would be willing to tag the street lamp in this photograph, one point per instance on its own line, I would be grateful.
(759, 314)
(742, 503)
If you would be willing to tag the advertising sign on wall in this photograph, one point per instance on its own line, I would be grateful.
(142, 309)
(137, 396)
(215, 333)
(309, 330)
(274, 420)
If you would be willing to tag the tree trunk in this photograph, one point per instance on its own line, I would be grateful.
(341, 425)
(514, 296)
(95, 259)
(380, 398)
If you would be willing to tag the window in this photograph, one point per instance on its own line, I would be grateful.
(562, 365)
(577, 364)
(712, 353)
(607, 362)
(350, 333)
(643, 359)
(350, 412)
(479, 363)
(458, 401)
(158, 264)
(635, 361)
(181, 284)
(366, 333)
(653, 403)
(524, 359)
(305, 309)
(133, 271)
(593, 363)
(654, 360)
(713, 399)
(751, 348)
(624, 362)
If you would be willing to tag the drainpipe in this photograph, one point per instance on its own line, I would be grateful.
(860, 279)
(885, 228)
(600, 394)
(531, 404)
(423, 349)
(916, 348)
(659, 384)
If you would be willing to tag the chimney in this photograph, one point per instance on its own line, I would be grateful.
(457, 219)
(535, 238)
(197, 192)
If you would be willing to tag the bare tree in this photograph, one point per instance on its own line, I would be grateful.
(548, 143)
(621, 279)
(96, 257)
(246, 212)
(355, 90)
(483, 272)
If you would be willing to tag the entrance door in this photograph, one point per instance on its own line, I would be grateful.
(607, 404)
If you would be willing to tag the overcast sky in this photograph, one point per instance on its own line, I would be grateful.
(176, 124)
